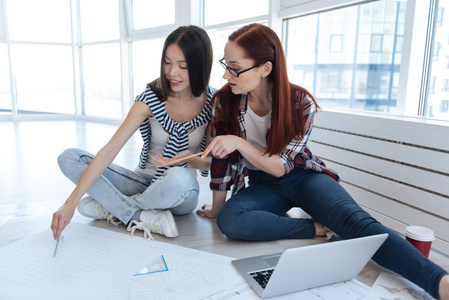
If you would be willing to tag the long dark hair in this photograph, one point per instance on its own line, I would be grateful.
(261, 44)
(197, 49)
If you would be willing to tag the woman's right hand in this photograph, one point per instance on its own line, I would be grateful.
(62, 218)
(207, 211)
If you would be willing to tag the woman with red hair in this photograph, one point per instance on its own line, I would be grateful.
(261, 126)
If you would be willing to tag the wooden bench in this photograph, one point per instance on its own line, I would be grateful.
(396, 169)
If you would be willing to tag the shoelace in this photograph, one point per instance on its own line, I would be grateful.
(113, 220)
(110, 218)
(133, 225)
(146, 227)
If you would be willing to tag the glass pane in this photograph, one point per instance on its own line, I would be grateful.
(5, 93)
(44, 78)
(146, 63)
(437, 104)
(102, 84)
(152, 13)
(217, 11)
(350, 57)
(39, 21)
(219, 38)
(99, 20)
(2, 24)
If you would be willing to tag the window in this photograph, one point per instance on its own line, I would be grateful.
(357, 55)
(364, 75)
(39, 21)
(432, 85)
(399, 44)
(44, 80)
(336, 43)
(152, 13)
(376, 43)
(444, 106)
(446, 85)
(5, 94)
(436, 51)
(146, 63)
(2, 23)
(221, 19)
(440, 16)
(217, 11)
(219, 38)
(436, 99)
(102, 81)
(99, 20)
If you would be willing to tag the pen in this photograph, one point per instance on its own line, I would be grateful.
(178, 160)
(56, 247)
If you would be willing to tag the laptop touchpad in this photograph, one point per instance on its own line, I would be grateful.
(272, 260)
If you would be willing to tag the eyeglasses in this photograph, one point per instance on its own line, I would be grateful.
(234, 72)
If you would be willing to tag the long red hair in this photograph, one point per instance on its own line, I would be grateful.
(261, 44)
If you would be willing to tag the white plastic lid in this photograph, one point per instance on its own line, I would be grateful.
(420, 233)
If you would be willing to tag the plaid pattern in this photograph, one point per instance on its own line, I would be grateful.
(231, 171)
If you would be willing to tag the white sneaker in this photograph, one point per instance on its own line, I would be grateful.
(154, 220)
(89, 207)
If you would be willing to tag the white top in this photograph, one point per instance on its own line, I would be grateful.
(160, 138)
(256, 131)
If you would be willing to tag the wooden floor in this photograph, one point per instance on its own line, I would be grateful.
(32, 187)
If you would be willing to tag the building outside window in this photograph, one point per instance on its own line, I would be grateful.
(349, 56)
(444, 106)
(369, 63)
(437, 97)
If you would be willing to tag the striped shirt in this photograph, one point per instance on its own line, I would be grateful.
(230, 171)
(179, 137)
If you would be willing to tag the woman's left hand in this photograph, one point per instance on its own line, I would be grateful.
(165, 162)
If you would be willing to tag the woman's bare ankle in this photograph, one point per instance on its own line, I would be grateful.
(320, 229)
(444, 288)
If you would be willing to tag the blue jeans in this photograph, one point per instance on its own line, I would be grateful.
(257, 213)
(123, 192)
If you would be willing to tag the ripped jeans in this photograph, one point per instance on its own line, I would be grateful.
(123, 192)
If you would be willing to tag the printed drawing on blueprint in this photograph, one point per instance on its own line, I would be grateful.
(93, 263)
(182, 278)
(34, 265)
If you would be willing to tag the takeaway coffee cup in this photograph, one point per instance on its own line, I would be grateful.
(420, 237)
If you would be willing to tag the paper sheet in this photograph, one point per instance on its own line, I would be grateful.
(393, 287)
(94, 263)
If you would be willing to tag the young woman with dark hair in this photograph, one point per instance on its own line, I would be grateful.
(172, 114)
(261, 125)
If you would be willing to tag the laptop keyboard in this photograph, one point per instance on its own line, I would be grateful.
(262, 277)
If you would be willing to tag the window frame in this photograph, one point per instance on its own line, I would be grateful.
(184, 14)
(417, 46)
(2, 21)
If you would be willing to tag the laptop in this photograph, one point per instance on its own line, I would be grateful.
(307, 267)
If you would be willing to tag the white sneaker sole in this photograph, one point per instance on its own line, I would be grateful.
(173, 229)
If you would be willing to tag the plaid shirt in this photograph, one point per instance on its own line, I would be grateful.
(230, 171)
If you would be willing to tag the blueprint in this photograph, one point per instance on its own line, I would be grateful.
(95, 263)
(393, 287)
